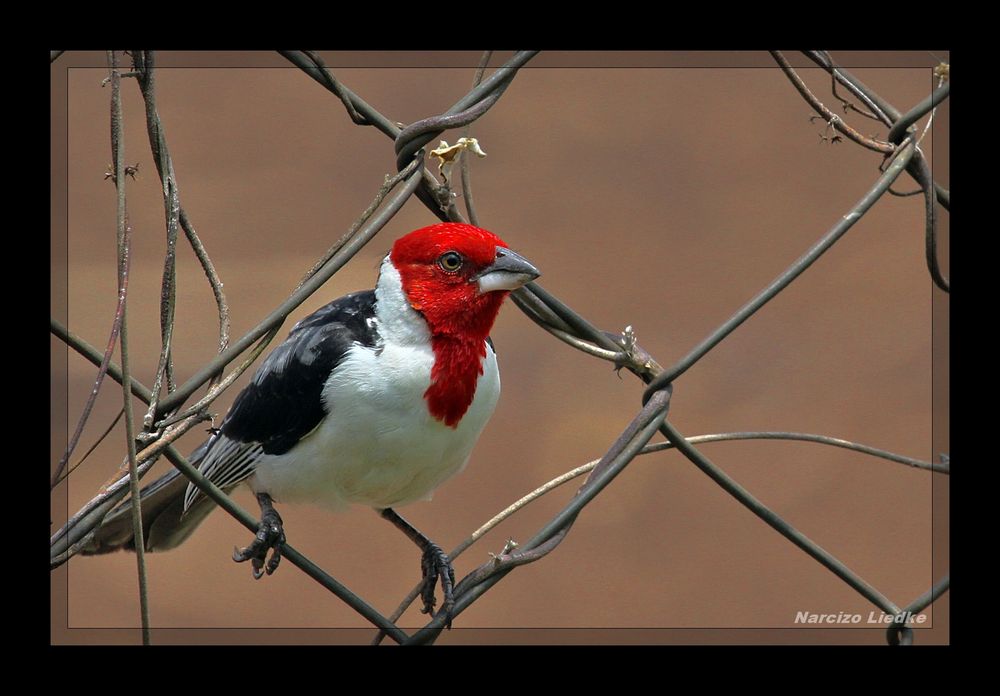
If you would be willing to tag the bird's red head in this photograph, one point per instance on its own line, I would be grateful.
(457, 276)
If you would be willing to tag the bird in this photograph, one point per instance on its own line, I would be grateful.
(376, 399)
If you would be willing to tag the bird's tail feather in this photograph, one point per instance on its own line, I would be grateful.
(165, 524)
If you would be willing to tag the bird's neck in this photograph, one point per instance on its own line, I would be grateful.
(458, 363)
(459, 346)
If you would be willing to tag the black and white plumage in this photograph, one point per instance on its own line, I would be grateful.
(284, 402)
(376, 398)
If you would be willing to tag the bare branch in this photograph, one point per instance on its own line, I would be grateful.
(470, 206)
(900, 127)
(213, 279)
(124, 259)
(364, 235)
(828, 116)
(172, 209)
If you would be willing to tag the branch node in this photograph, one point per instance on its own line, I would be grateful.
(499, 558)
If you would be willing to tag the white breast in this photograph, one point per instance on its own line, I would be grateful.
(379, 446)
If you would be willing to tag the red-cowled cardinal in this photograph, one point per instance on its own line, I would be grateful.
(377, 398)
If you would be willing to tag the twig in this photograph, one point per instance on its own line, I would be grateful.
(289, 553)
(830, 117)
(568, 476)
(124, 259)
(621, 453)
(579, 326)
(899, 128)
(97, 443)
(223, 384)
(888, 114)
(364, 235)
(104, 366)
(67, 540)
(464, 111)
(388, 185)
(352, 102)
(921, 171)
(470, 206)
(95, 357)
(172, 206)
(848, 106)
(901, 634)
(331, 83)
(538, 311)
(213, 279)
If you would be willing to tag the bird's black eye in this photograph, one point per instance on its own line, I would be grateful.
(450, 261)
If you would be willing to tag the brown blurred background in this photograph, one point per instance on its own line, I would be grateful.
(650, 190)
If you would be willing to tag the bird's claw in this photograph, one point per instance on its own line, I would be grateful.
(435, 565)
(270, 536)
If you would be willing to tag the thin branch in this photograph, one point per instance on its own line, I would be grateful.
(104, 365)
(622, 451)
(331, 83)
(467, 109)
(940, 468)
(388, 185)
(899, 128)
(305, 60)
(119, 169)
(139, 390)
(289, 553)
(100, 438)
(921, 171)
(568, 476)
(124, 262)
(901, 634)
(213, 279)
(579, 326)
(172, 206)
(695, 440)
(421, 132)
(624, 355)
(848, 106)
(95, 357)
(464, 111)
(67, 540)
(887, 112)
(828, 116)
(538, 311)
(354, 104)
(470, 206)
(897, 165)
(222, 385)
(614, 356)
(364, 235)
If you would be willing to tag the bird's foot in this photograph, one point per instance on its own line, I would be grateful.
(270, 536)
(435, 565)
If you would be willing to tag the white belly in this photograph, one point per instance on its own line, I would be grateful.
(379, 446)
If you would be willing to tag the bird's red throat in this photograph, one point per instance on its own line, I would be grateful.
(458, 363)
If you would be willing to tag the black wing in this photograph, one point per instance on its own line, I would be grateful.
(283, 402)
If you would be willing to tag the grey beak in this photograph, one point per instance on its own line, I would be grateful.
(509, 272)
